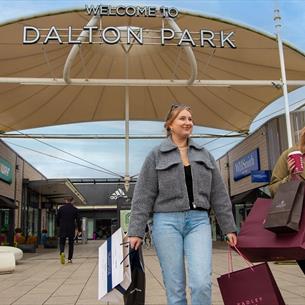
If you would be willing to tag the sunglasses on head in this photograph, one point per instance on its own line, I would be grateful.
(175, 106)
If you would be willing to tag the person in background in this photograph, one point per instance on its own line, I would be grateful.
(283, 171)
(68, 220)
(179, 183)
(94, 235)
(44, 236)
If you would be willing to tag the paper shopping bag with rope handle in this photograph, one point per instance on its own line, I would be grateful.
(253, 285)
(285, 213)
(261, 245)
(135, 294)
(114, 276)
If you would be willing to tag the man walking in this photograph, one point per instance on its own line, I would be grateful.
(67, 219)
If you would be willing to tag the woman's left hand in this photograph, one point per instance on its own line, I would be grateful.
(231, 239)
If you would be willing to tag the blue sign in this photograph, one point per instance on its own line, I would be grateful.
(245, 165)
(261, 176)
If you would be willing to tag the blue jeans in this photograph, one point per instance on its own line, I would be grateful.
(181, 235)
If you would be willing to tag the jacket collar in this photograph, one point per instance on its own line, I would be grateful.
(168, 145)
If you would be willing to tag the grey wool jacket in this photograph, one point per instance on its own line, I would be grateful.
(161, 187)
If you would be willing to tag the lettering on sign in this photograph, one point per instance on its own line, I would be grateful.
(246, 164)
(92, 34)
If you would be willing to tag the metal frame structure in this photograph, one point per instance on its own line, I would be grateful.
(192, 81)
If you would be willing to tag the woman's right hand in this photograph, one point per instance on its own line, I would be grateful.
(135, 242)
(291, 165)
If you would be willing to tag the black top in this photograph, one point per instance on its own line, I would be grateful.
(189, 184)
(68, 219)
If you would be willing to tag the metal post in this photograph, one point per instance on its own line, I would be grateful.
(84, 230)
(127, 177)
(277, 19)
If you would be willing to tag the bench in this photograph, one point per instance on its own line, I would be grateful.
(17, 252)
(7, 262)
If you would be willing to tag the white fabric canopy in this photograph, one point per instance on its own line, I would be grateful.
(232, 107)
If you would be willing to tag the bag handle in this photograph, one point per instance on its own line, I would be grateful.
(130, 251)
(296, 177)
(230, 260)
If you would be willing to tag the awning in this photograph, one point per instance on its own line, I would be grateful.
(105, 194)
(7, 203)
(231, 107)
(249, 196)
(56, 190)
(84, 191)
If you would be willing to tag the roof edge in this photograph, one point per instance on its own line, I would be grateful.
(186, 12)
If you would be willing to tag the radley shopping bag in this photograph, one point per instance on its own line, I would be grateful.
(260, 245)
(253, 285)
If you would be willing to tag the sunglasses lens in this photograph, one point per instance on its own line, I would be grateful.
(174, 106)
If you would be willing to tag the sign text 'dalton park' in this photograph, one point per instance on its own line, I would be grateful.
(128, 34)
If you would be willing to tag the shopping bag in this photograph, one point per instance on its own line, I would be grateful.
(255, 285)
(286, 210)
(135, 294)
(260, 245)
(114, 275)
(252, 285)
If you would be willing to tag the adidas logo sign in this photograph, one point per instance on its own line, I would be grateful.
(117, 194)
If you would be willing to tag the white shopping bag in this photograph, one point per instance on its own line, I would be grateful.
(114, 276)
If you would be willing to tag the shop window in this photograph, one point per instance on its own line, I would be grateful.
(4, 226)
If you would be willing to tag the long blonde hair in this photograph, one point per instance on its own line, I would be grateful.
(302, 140)
(172, 114)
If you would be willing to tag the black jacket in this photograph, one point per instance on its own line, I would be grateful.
(68, 220)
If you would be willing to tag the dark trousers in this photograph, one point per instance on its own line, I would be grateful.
(62, 242)
(302, 265)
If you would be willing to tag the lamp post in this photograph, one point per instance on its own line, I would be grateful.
(277, 19)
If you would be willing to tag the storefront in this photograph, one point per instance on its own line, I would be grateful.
(108, 205)
(247, 167)
(19, 207)
(7, 195)
(31, 213)
(7, 219)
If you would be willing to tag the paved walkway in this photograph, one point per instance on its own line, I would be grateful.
(41, 279)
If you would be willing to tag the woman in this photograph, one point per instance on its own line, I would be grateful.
(283, 171)
(179, 182)
(284, 167)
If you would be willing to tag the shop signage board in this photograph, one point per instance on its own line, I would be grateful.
(246, 164)
(124, 219)
(6, 172)
(260, 176)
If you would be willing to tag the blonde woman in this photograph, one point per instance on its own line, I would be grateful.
(283, 171)
(179, 182)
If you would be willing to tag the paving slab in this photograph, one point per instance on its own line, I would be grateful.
(40, 279)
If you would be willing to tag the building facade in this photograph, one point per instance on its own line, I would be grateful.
(246, 168)
(20, 207)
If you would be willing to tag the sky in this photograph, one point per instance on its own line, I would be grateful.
(109, 154)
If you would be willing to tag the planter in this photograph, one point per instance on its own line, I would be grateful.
(51, 244)
(27, 248)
